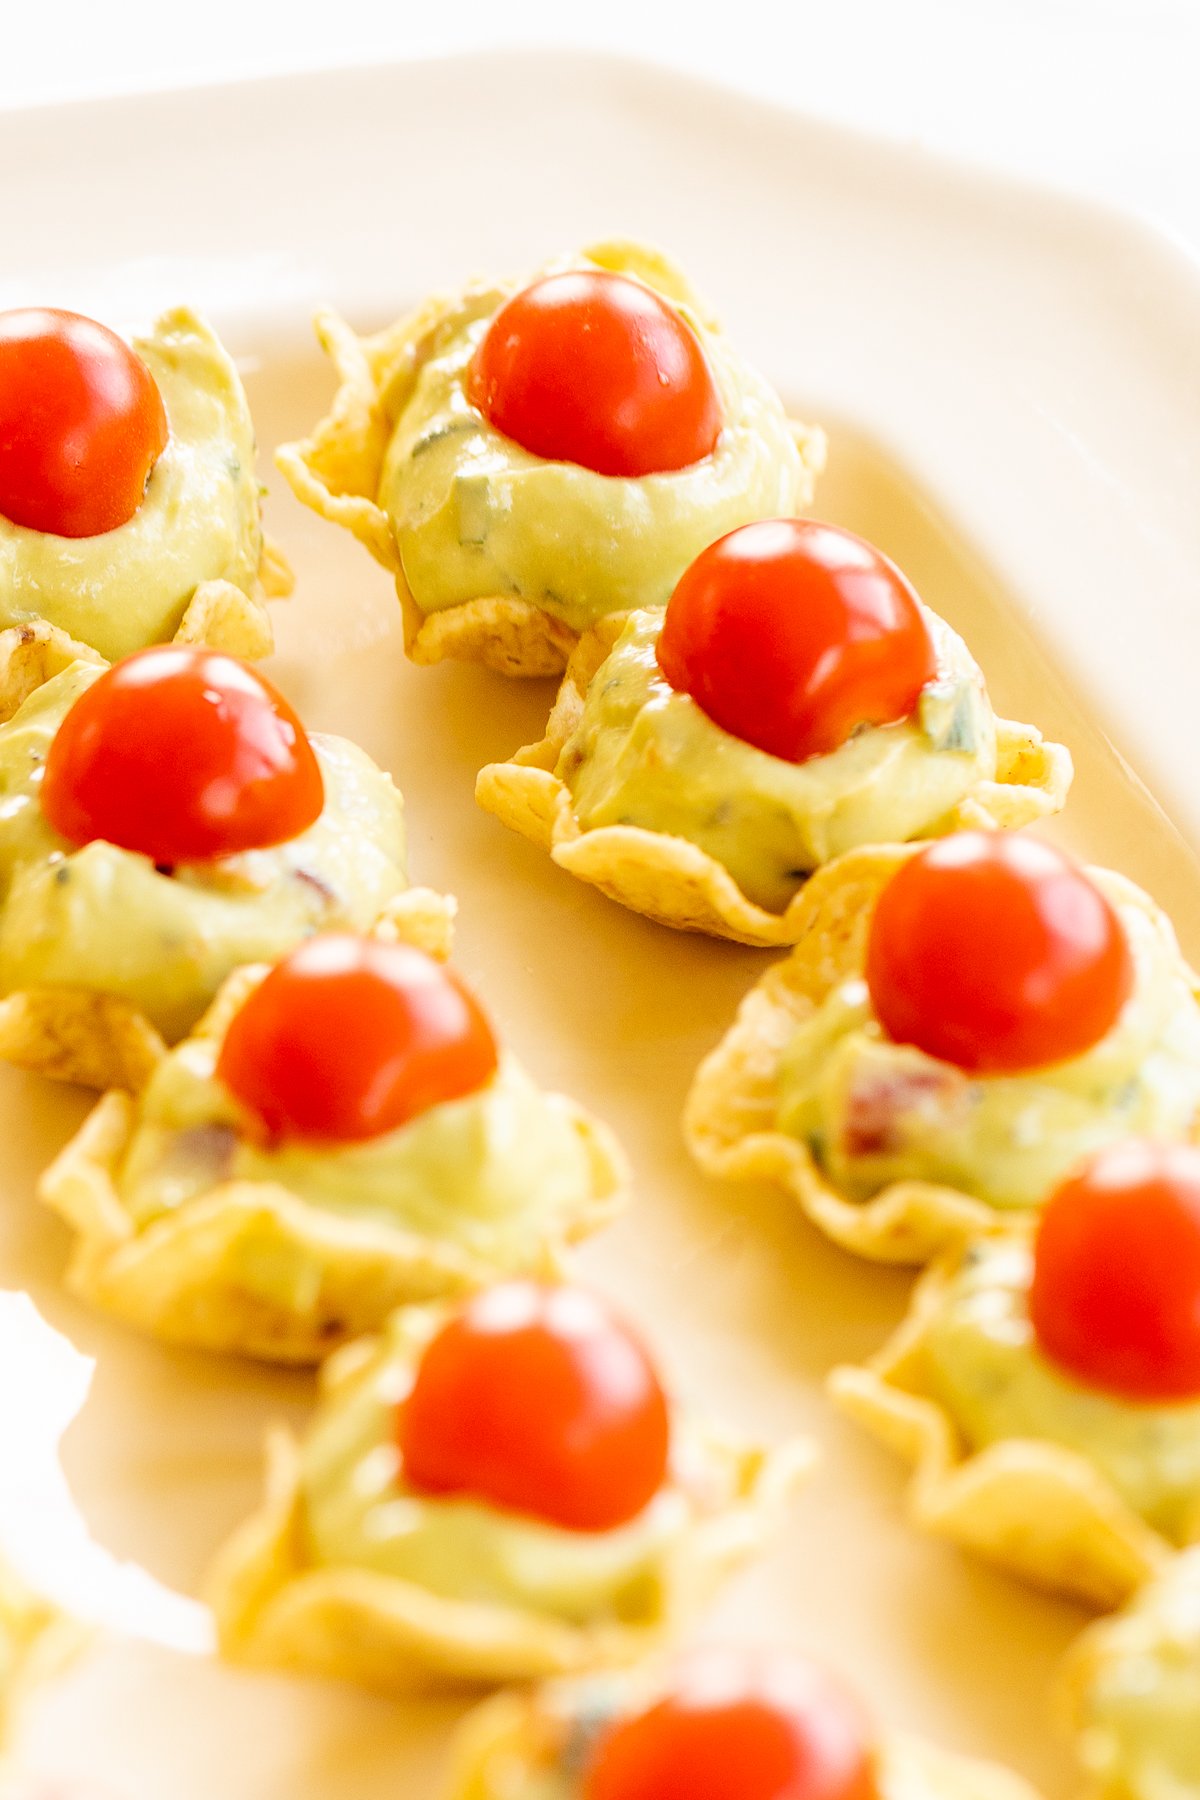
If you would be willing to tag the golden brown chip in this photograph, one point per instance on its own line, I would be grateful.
(251, 1267)
(275, 1608)
(336, 471)
(509, 1743)
(1036, 1508)
(675, 882)
(729, 1118)
(94, 1039)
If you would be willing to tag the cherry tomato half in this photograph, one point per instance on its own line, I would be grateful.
(997, 953)
(738, 1725)
(81, 424)
(594, 368)
(185, 755)
(347, 1038)
(538, 1399)
(1115, 1297)
(790, 634)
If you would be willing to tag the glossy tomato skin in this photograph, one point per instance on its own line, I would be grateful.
(184, 755)
(537, 1399)
(1115, 1297)
(739, 1725)
(995, 952)
(82, 424)
(348, 1038)
(791, 634)
(594, 368)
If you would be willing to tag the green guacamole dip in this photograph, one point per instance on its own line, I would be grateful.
(874, 1112)
(646, 755)
(1140, 1714)
(475, 515)
(359, 1511)
(983, 1364)
(198, 522)
(107, 919)
(491, 1172)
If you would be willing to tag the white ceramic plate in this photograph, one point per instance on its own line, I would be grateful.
(1012, 383)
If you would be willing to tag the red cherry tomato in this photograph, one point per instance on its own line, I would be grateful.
(347, 1038)
(81, 424)
(539, 1400)
(739, 1726)
(185, 755)
(791, 634)
(996, 953)
(594, 368)
(1115, 1297)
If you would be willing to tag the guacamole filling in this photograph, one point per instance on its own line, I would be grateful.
(475, 515)
(1141, 1711)
(198, 522)
(495, 1172)
(874, 1112)
(107, 919)
(359, 1512)
(983, 1365)
(646, 755)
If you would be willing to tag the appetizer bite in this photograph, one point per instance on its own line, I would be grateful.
(340, 1135)
(162, 822)
(958, 1024)
(36, 1640)
(1048, 1391)
(794, 700)
(525, 460)
(718, 1724)
(129, 504)
(1133, 1692)
(492, 1492)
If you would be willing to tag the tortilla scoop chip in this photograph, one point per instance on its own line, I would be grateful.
(275, 1608)
(251, 1267)
(673, 881)
(73, 1034)
(510, 1743)
(336, 471)
(729, 1119)
(1039, 1510)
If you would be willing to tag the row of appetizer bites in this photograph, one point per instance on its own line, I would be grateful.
(970, 1034)
(129, 503)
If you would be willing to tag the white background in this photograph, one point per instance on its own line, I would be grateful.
(1097, 94)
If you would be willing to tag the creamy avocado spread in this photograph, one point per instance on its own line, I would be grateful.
(1140, 1712)
(489, 1172)
(475, 515)
(359, 1511)
(107, 919)
(984, 1366)
(874, 1112)
(198, 522)
(646, 755)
